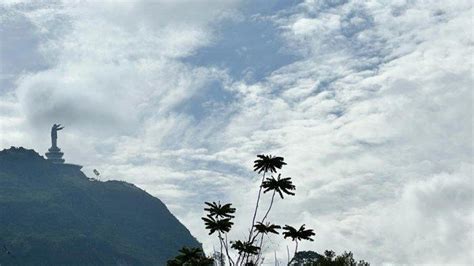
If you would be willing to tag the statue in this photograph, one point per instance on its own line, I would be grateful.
(54, 134)
(54, 153)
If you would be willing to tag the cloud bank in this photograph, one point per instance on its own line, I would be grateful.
(370, 103)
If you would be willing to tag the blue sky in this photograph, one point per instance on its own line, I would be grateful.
(370, 103)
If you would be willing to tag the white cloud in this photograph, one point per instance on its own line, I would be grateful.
(374, 119)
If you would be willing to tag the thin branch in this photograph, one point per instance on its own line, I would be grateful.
(288, 254)
(270, 207)
(255, 214)
(276, 260)
(260, 250)
(256, 206)
(221, 256)
(226, 245)
(296, 250)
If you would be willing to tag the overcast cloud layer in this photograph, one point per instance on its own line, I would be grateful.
(370, 103)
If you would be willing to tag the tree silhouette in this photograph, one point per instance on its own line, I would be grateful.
(307, 258)
(267, 228)
(311, 258)
(264, 163)
(297, 235)
(219, 216)
(220, 211)
(280, 185)
(243, 249)
(219, 225)
(268, 162)
(96, 173)
(219, 219)
(264, 229)
(191, 257)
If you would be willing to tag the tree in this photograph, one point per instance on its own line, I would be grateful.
(218, 220)
(265, 229)
(280, 185)
(311, 258)
(219, 216)
(191, 257)
(220, 211)
(306, 258)
(297, 235)
(264, 163)
(215, 224)
(268, 162)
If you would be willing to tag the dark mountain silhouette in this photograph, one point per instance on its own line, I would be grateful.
(52, 214)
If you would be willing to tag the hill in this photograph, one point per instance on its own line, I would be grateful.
(52, 214)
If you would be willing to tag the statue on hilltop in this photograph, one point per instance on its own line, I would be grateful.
(54, 153)
(54, 134)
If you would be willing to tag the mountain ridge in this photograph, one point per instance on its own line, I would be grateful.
(53, 214)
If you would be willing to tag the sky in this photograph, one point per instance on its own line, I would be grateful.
(369, 102)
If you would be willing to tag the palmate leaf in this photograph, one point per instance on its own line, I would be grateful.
(220, 211)
(267, 163)
(219, 225)
(267, 228)
(301, 234)
(280, 185)
(244, 247)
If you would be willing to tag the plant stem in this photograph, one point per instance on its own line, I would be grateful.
(221, 257)
(255, 215)
(296, 248)
(270, 207)
(226, 245)
(256, 207)
(288, 254)
(294, 256)
(260, 250)
(238, 259)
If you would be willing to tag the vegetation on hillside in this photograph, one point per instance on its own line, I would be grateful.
(54, 215)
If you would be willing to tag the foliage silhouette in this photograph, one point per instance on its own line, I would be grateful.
(266, 228)
(245, 247)
(280, 185)
(191, 257)
(219, 219)
(307, 258)
(268, 162)
(297, 235)
(311, 258)
(219, 216)
(219, 225)
(220, 211)
(264, 163)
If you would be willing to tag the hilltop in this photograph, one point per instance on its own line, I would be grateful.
(53, 214)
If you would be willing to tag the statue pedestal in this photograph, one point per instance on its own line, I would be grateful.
(55, 155)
